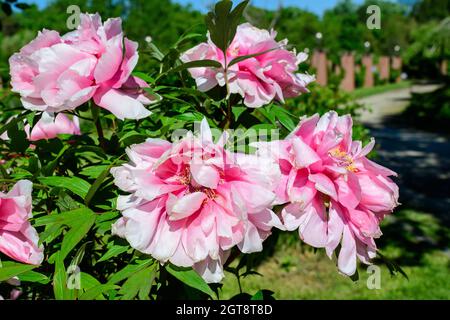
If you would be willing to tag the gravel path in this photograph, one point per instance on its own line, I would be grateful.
(422, 159)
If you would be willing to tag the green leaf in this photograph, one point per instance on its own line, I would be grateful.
(77, 185)
(13, 122)
(263, 295)
(68, 218)
(50, 167)
(60, 289)
(9, 270)
(132, 137)
(186, 37)
(139, 283)
(237, 111)
(190, 116)
(155, 52)
(88, 281)
(128, 271)
(76, 234)
(93, 172)
(97, 291)
(18, 138)
(190, 278)
(114, 251)
(197, 64)
(258, 296)
(143, 76)
(98, 182)
(222, 23)
(266, 112)
(284, 118)
(32, 276)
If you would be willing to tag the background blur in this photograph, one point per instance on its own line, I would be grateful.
(394, 80)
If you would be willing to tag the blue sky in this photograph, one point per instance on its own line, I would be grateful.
(317, 6)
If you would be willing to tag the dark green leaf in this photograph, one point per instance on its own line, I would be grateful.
(22, 6)
(98, 182)
(190, 278)
(13, 122)
(6, 7)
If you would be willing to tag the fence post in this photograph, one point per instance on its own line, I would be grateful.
(368, 65)
(348, 66)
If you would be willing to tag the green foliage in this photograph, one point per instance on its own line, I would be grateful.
(431, 110)
(222, 23)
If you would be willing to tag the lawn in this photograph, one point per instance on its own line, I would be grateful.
(366, 92)
(414, 240)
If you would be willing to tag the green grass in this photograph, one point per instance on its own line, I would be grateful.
(416, 241)
(366, 92)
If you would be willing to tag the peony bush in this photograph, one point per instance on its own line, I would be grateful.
(120, 184)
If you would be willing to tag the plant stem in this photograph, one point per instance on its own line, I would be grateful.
(96, 117)
(229, 112)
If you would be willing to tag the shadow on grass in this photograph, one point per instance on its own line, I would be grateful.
(408, 235)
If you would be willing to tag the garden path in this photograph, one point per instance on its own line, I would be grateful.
(421, 159)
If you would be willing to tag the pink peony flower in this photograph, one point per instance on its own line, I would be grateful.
(49, 127)
(54, 73)
(18, 239)
(334, 193)
(259, 80)
(191, 201)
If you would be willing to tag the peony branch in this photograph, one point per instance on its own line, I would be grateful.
(95, 110)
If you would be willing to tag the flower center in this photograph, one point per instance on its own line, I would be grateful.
(343, 159)
(185, 179)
